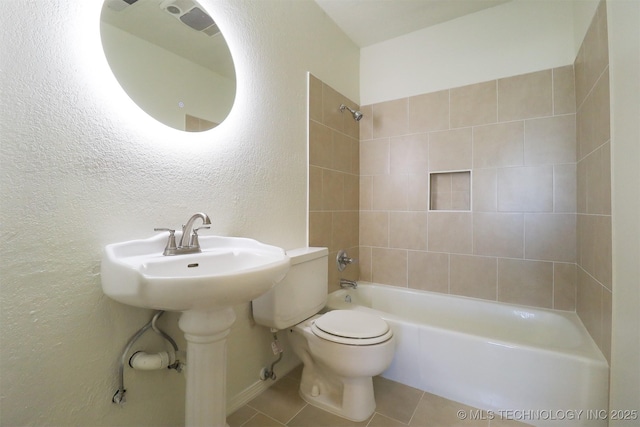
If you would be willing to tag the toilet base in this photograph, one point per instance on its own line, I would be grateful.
(350, 398)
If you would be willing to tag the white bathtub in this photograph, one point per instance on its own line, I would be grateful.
(534, 365)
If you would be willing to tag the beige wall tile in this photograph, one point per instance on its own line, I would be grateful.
(374, 229)
(418, 192)
(408, 230)
(525, 189)
(320, 227)
(485, 190)
(525, 282)
(593, 56)
(593, 118)
(332, 117)
(474, 104)
(564, 94)
(366, 123)
(461, 200)
(409, 154)
(345, 230)
(498, 145)
(332, 190)
(473, 276)
(342, 151)
(565, 278)
(391, 118)
(364, 263)
(564, 188)
(550, 237)
(374, 157)
(605, 343)
(598, 181)
(320, 145)
(498, 234)
(594, 182)
(366, 193)
(440, 200)
(351, 192)
(589, 304)
(390, 192)
(594, 246)
(550, 140)
(524, 168)
(429, 271)
(315, 188)
(525, 96)
(389, 266)
(461, 181)
(450, 150)
(429, 112)
(351, 126)
(442, 239)
(581, 187)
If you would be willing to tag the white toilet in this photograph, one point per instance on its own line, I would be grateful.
(341, 350)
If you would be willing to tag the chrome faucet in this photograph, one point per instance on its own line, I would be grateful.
(189, 243)
(185, 242)
(346, 283)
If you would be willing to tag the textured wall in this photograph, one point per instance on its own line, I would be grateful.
(83, 167)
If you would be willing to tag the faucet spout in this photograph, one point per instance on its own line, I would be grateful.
(346, 283)
(188, 227)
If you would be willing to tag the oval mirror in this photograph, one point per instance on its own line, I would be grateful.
(171, 59)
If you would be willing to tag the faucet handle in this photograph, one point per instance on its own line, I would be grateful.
(342, 260)
(171, 243)
(194, 237)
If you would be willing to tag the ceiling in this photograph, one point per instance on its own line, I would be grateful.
(368, 22)
(149, 20)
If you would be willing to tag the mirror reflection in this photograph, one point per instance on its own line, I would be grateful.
(171, 59)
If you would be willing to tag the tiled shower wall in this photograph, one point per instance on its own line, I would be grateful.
(539, 228)
(517, 243)
(334, 182)
(594, 182)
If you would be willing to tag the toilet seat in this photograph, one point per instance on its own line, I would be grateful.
(351, 327)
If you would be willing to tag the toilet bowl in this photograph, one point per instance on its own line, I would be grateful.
(341, 351)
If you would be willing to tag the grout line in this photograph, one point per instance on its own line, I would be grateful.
(296, 414)
(416, 408)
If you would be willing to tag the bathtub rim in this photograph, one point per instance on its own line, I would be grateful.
(587, 351)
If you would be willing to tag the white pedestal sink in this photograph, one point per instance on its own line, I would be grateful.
(203, 287)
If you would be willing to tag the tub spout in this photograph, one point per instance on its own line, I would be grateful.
(346, 283)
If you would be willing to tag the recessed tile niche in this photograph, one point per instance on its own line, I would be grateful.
(450, 191)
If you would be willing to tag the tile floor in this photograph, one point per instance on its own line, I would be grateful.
(397, 405)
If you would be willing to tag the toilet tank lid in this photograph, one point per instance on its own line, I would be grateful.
(306, 254)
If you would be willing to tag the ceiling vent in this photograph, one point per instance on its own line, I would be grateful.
(191, 14)
(119, 5)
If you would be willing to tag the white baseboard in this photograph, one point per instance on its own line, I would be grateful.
(248, 394)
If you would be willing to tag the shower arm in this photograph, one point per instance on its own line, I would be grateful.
(357, 115)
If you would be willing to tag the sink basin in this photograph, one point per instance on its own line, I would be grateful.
(228, 271)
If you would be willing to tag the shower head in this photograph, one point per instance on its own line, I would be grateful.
(357, 115)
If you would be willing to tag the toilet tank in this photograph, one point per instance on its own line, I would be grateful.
(300, 295)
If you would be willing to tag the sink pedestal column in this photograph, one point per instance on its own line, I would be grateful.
(206, 333)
